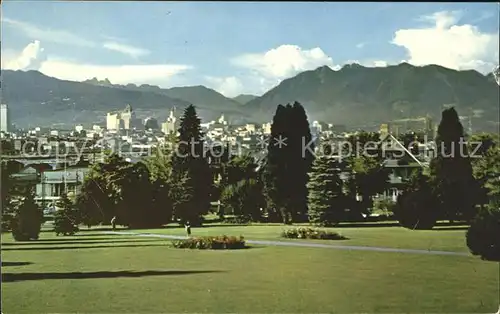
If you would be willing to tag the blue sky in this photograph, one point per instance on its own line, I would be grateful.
(240, 47)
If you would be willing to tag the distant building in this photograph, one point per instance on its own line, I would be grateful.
(266, 128)
(4, 118)
(79, 128)
(122, 120)
(171, 125)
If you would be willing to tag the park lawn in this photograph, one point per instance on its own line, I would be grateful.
(96, 273)
(440, 239)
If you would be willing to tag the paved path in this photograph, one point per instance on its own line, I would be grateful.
(304, 244)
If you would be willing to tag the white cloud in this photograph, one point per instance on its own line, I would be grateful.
(50, 35)
(121, 74)
(64, 37)
(30, 58)
(228, 86)
(448, 44)
(283, 61)
(134, 52)
(365, 63)
(360, 45)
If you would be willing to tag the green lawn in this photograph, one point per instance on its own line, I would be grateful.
(97, 273)
(441, 239)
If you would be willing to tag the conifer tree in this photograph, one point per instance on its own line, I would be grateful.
(451, 170)
(65, 219)
(189, 160)
(28, 218)
(325, 197)
(275, 173)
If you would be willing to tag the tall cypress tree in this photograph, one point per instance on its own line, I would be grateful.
(189, 160)
(275, 173)
(288, 163)
(299, 159)
(451, 170)
(325, 192)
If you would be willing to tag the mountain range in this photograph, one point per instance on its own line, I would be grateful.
(353, 95)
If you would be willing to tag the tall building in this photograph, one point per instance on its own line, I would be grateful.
(122, 120)
(170, 126)
(4, 118)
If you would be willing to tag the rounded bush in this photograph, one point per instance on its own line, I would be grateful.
(416, 210)
(483, 235)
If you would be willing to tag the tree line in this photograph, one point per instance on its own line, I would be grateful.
(290, 185)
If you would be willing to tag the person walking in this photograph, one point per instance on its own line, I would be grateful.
(113, 223)
(187, 226)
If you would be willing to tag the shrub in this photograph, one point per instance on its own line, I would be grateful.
(483, 236)
(238, 220)
(311, 233)
(27, 221)
(65, 219)
(211, 243)
(417, 210)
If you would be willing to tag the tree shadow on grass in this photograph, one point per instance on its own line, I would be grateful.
(367, 224)
(5, 264)
(13, 277)
(443, 228)
(49, 248)
(87, 238)
(70, 242)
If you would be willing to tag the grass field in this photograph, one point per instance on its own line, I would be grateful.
(96, 273)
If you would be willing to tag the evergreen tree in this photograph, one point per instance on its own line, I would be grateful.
(276, 172)
(7, 192)
(244, 198)
(325, 199)
(189, 160)
(451, 170)
(288, 162)
(65, 218)
(300, 160)
(417, 207)
(28, 217)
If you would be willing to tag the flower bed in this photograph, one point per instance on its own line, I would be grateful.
(311, 233)
(211, 243)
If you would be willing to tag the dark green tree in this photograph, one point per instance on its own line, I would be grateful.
(451, 170)
(275, 173)
(417, 207)
(300, 159)
(8, 192)
(244, 199)
(189, 160)
(487, 173)
(65, 218)
(28, 217)
(370, 178)
(483, 235)
(289, 159)
(326, 201)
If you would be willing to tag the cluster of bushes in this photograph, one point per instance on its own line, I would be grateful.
(237, 220)
(311, 233)
(211, 243)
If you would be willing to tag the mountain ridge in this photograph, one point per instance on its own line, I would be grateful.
(351, 95)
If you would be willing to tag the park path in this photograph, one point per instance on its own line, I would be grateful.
(304, 244)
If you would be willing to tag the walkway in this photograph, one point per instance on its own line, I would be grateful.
(304, 244)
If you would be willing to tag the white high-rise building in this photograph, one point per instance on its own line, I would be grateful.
(170, 126)
(4, 118)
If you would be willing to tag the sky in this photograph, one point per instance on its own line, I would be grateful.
(240, 47)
